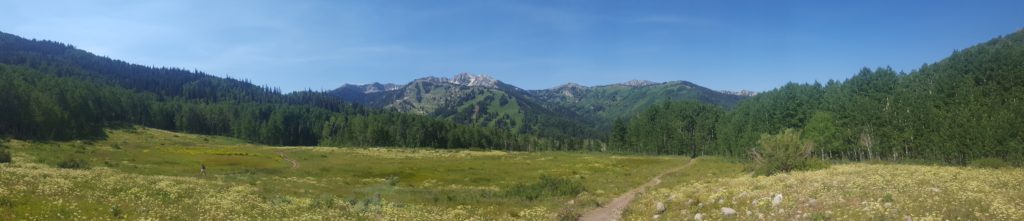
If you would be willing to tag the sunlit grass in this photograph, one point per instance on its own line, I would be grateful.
(848, 192)
(148, 173)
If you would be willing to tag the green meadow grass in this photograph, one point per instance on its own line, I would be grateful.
(328, 182)
(851, 191)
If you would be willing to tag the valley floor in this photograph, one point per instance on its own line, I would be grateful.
(856, 191)
(153, 174)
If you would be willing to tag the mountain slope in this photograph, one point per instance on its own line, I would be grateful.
(53, 91)
(610, 102)
(471, 99)
(482, 100)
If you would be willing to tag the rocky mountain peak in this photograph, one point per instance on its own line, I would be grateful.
(468, 79)
(638, 83)
(569, 89)
(569, 86)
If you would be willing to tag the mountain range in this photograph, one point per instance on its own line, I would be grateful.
(964, 107)
(485, 101)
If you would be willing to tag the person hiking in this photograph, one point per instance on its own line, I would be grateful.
(202, 169)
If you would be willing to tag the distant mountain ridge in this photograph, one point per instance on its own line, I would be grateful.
(744, 93)
(637, 83)
(373, 87)
(470, 99)
(484, 100)
(605, 103)
(54, 91)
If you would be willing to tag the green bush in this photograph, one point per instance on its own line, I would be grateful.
(116, 212)
(5, 155)
(73, 163)
(814, 164)
(992, 163)
(545, 187)
(784, 152)
(392, 180)
(324, 201)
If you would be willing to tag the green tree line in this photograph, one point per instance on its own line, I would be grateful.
(967, 106)
(52, 91)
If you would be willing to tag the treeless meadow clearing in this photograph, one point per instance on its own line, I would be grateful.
(147, 173)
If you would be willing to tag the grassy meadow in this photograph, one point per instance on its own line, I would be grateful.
(855, 191)
(146, 173)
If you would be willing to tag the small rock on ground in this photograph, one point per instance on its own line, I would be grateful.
(659, 208)
(728, 211)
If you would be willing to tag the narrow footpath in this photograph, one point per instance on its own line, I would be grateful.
(613, 210)
(295, 164)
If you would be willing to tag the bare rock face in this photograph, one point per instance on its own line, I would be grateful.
(570, 90)
(471, 80)
(638, 83)
(659, 208)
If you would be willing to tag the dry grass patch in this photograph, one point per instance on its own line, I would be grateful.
(850, 192)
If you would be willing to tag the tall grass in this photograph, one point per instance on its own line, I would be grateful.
(990, 163)
(73, 163)
(856, 191)
(155, 174)
(546, 186)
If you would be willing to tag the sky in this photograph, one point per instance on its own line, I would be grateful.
(320, 45)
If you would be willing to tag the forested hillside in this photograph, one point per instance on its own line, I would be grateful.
(606, 103)
(473, 100)
(569, 110)
(53, 91)
(967, 106)
(685, 127)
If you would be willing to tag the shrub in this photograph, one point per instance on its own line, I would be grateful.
(784, 152)
(992, 163)
(116, 212)
(5, 155)
(73, 163)
(546, 186)
(392, 180)
(323, 201)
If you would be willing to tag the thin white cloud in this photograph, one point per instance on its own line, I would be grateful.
(672, 20)
(558, 19)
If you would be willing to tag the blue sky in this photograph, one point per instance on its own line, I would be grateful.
(730, 45)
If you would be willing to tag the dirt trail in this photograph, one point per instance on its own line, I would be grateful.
(295, 164)
(613, 210)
